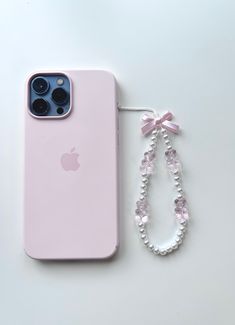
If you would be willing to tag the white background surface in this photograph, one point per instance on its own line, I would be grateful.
(171, 54)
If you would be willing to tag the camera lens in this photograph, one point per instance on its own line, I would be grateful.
(59, 96)
(40, 107)
(60, 110)
(40, 85)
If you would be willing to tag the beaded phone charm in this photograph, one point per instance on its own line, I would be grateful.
(157, 126)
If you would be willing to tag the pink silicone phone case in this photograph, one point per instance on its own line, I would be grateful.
(71, 192)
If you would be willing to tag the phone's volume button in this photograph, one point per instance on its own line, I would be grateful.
(118, 133)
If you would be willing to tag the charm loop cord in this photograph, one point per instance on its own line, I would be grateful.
(136, 109)
(158, 126)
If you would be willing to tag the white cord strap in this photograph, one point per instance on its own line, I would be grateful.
(157, 126)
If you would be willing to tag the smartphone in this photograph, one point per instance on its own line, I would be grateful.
(70, 165)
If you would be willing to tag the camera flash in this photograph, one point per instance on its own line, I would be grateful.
(60, 81)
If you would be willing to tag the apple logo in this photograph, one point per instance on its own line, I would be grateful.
(69, 161)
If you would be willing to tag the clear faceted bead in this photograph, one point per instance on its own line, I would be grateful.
(142, 211)
(137, 219)
(180, 203)
(172, 161)
(181, 210)
(147, 164)
(142, 208)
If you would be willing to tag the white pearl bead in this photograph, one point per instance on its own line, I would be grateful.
(182, 228)
(144, 174)
(169, 147)
(176, 178)
(153, 138)
(145, 219)
(156, 251)
(140, 224)
(143, 236)
(167, 142)
(178, 240)
(146, 242)
(141, 230)
(151, 246)
(154, 132)
(180, 234)
(141, 198)
(162, 252)
(165, 136)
